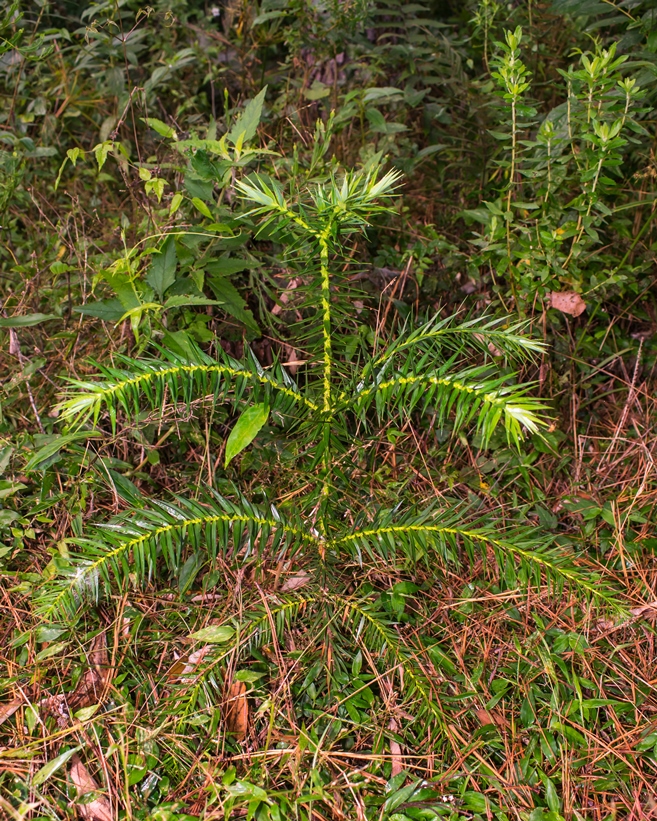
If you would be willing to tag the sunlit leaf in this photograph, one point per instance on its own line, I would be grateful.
(49, 769)
(215, 634)
(245, 430)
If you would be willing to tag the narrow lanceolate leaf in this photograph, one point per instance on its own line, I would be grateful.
(42, 458)
(232, 302)
(51, 767)
(135, 548)
(26, 320)
(245, 430)
(247, 123)
(160, 128)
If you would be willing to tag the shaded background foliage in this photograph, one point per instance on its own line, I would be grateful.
(548, 708)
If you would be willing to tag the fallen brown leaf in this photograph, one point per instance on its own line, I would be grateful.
(57, 707)
(293, 362)
(568, 302)
(92, 684)
(395, 751)
(493, 349)
(295, 582)
(485, 717)
(237, 710)
(185, 665)
(8, 710)
(98, 809)
(285, 296)
(645, 610)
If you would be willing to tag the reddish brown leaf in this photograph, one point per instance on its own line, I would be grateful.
(490, 717)
(8, 710)
(92, 684)
(98, 809)
(237, 710)
(397, 764)
(646, 611)
(186, 665)
(568, 302)
(295, 582)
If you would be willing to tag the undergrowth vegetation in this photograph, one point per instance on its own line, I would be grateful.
(327, 472)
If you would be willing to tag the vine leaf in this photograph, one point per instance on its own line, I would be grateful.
(162, 273)
(248, 122)
(246, 429)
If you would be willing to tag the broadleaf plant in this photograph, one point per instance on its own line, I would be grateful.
(453, 371)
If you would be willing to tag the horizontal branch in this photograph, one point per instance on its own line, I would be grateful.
(81, 405)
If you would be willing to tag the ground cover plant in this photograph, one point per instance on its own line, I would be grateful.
(328, 374)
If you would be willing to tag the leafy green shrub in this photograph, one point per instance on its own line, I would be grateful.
(562, 197)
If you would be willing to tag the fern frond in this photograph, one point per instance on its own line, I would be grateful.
(521, 557)
(175, 380)
(127, 550)
(469, 395)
